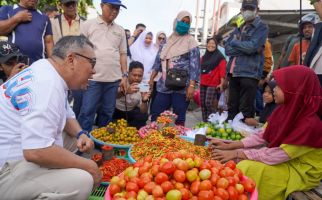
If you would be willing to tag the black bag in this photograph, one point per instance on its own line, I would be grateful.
(176, 78)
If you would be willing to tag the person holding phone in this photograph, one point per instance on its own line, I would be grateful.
(133, 105)
(11, 60)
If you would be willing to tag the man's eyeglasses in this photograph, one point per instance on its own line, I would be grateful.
(68, 4)
(90, 60)
(113, 7)
(7, 49)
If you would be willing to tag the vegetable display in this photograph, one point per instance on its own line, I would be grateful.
(112, 167)
(156, 145)
(117, 133)
(182, 177)
(224, 132)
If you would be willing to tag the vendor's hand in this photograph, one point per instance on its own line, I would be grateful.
(23, 16)
(134, 87)
(123, 85)
(218, 144)
(251, 122)
(223, 156)
(17, 68)
(145, 95)
(189, 93)
(95, 172)
(84, 144)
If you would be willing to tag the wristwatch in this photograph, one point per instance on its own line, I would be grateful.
(81, 133)
(125, 74)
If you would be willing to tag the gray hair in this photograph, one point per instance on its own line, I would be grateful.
(69, 44)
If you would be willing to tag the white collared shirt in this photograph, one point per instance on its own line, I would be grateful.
(33, 111)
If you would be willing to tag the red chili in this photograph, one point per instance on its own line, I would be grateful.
(113, 168)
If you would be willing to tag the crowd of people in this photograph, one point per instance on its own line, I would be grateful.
(112, 74)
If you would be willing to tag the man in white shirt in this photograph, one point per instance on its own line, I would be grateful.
(34, 112)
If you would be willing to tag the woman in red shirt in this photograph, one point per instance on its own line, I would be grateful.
(213, 72)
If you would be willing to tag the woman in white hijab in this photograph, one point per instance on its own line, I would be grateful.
(144, 51)
(181, 53)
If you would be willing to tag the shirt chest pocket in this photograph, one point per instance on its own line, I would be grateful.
(114, 38)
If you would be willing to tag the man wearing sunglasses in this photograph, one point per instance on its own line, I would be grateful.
(11, 60)
(34, 112)
(111, 69)
(28, 28)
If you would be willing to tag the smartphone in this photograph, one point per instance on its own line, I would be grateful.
(23, 59)
(144, 87)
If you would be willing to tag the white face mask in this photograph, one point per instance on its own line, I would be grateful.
(249, 15)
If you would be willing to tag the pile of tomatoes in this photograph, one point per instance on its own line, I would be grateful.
(181, 176)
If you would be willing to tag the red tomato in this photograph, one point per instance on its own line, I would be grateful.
(222, 173)
(205, 165)
(214, 178)
(161, 177)
(183, 165)
(147, 174)
(242, 197)
(179, 176)
(214, 170)
(130, 186)
(155, 170)
(205, 185)
(239, 173)
(168, 168)
(194, 198)
(185, 193)
(134, 180)
(222, 193)
(167, 186)
(194, 188)
(130, 194)
(205, 195)
(178, 185)
(231, 164)
(148, 158)
(157, 191)
(233, 194)
(222, 183)
(229, 172)
(236, 177)
(143, 181)
(121, 183)
(114, 189)
(249, 185)
(143, 169)
(138, 164)
(217, 198)
(149, 187)
(232, 181)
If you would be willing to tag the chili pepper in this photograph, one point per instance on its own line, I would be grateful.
(113, 168)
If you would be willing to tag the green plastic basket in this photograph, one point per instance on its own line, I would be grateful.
(98, 193)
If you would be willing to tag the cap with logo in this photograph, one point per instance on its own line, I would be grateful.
(8, 51)
(114, 2)
(250, 3)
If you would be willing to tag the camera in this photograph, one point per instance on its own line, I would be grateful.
(23, 59)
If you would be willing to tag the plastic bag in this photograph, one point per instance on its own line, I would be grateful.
(193, 133)
(239, 126)
(222, 103)
(218, 118)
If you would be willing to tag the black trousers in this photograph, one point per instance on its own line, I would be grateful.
(320, 79)
(242, 96)
(134, 117)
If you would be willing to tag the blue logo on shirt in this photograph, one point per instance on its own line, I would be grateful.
(17, 91)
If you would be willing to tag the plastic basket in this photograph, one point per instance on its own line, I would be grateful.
(98, 193)
(253, 195)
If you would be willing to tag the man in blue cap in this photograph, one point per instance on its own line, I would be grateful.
(245, 48)
(109, 40)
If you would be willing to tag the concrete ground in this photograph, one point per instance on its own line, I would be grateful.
(193, 117)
